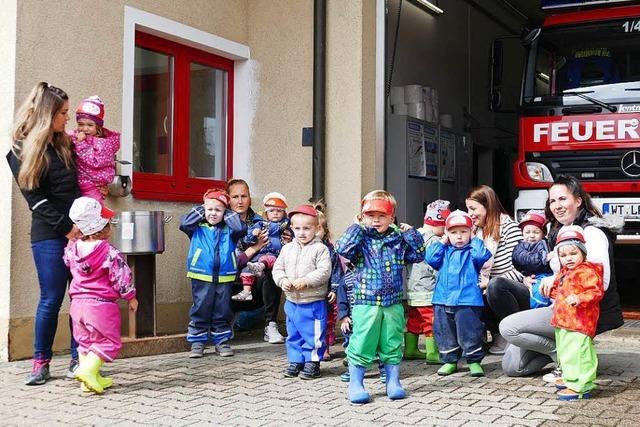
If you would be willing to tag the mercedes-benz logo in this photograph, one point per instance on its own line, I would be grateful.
(630, 164)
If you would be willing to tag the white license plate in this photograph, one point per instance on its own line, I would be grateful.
(622, 209)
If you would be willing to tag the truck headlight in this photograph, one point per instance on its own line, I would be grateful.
(539, 172)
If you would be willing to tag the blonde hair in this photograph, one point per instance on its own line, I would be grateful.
(32, 134)
(379, 195)
(320, 207)
(488, 198)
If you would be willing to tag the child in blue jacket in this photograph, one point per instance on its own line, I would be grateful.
(214, 231)
(379, 250)
(457, 298)
(531, 256)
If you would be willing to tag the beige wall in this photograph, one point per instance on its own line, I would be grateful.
(280, 37)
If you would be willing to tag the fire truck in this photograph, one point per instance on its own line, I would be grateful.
(579, 111)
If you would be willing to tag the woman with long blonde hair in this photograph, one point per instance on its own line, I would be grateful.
(42, 163)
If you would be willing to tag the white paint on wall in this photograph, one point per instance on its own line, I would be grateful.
(136, 19)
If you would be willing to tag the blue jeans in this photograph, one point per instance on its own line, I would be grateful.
(53, 277)
(210, 315)
(458, 332)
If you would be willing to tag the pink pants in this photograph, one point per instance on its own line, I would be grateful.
(88, 189)
(96, 327)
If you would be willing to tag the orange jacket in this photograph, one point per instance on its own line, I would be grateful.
(585, 281)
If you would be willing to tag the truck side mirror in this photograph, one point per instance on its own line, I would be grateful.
(496, 63)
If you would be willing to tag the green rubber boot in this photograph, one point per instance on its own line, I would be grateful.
(411, 347)
(433, 355)
(448, 369)
(105, 382)
(475, 369)
(87, 372)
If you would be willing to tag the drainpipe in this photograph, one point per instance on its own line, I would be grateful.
(319, 78)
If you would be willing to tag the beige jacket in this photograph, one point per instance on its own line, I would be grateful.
(310, 262)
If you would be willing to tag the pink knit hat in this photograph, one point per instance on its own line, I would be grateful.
(91, 108)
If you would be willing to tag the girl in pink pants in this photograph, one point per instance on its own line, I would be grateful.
(100, 277)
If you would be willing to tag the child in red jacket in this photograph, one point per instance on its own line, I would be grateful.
(577, 291)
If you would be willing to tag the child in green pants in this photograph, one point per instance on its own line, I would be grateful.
(379, 251)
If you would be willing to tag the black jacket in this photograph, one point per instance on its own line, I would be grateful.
(610, 310)
(531, 258)
(51, 201)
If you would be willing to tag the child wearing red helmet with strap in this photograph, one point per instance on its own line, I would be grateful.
(214, 231)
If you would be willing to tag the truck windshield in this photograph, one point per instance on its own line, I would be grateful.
(599, 59)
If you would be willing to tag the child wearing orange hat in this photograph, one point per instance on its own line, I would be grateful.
(214, 231)
(275, 208)
(95, 147)
(457, 298)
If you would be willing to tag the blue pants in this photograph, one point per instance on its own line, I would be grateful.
(210, 314)
(53, 277)
(306, 328)
(458, 332)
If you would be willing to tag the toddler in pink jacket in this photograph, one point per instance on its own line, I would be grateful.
(100, 276)
(95, 147)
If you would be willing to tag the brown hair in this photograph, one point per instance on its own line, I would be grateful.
(32, 134)
(322, 218)
(488, 198)
(574, 187)
(100, 235)
(236, 181)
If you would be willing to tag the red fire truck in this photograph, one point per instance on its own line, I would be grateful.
(580, 111)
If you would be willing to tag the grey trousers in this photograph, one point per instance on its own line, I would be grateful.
(532, 341)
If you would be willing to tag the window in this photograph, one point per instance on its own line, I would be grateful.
(182, 120)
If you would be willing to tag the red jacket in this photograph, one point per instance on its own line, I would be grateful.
(585, 281)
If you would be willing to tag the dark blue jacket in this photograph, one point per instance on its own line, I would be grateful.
(275, 230)
(212, 256)
(344, 293)
(458, 270)
(531, 258)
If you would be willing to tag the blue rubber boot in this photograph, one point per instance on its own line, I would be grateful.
(394, 389)
(357, 393)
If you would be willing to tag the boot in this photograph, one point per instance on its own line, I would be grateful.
(88, 370)
(448, 369)
(357, 392)
(394, 389)
(475, 369)
(433, 355)
(411, 347)
(105, 382)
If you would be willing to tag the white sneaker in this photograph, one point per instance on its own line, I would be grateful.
(272, 335)
(499, 345)
(553, 376)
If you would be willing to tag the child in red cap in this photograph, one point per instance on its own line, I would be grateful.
(457, 298)
(302, 271)
(379, 251)
(420, 285)
(95, 147)
(531, 256)
(577, 291)
(214, 231)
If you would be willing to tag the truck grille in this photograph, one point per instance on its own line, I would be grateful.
(584, 165)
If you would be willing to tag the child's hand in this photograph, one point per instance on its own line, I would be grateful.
(256, 231)
(357, 219)
(444, 239)
(81, 136)
(133, 305)
(299, 284)
(286, 285)
(345, 325)
(405, 227)
(331, 297)
(529, 280)
(573, 300)
(550, 256)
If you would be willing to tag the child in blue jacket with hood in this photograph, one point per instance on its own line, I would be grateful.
(379, 250)
(457, 298)
(214, 231)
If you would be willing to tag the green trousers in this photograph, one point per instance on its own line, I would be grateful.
(577, 359)
(376, 330)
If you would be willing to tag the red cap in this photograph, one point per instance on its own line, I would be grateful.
(218, 195)
(304, 210)
(378, 205)
(533, 217)
(459, 218)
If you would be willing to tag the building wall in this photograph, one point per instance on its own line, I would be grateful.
(280, 37)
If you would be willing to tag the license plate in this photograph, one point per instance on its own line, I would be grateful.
(622, 209)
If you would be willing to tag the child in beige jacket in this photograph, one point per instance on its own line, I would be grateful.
(302, 271)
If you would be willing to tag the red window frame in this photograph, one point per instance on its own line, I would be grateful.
(180, 186)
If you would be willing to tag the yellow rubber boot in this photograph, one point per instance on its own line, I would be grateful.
(87, 372)
(105, 382)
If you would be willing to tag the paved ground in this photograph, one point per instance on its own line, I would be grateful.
(248, 389)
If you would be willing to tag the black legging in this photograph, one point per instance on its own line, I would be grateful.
(265, 293)
(505, 297)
